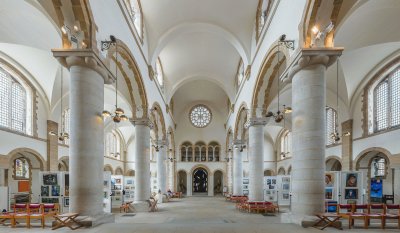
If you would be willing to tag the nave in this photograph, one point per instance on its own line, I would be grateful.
(196, 215)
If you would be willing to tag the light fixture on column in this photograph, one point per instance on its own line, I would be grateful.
(287, 43)
(75, 36)
(157, 147)
(283, 154)
(279, 115)
(318, 37)
(240, 147)
(62, 136)
(335, 135)
(172, 159)
(119, 114)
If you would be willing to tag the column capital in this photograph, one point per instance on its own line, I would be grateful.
(255, 121)
(84, 57)
(142, 121)
(237, 142)
(311, 56)
(161, 143)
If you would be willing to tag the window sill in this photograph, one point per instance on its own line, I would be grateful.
(22, 134)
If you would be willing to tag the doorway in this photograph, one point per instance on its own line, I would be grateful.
(200, 181)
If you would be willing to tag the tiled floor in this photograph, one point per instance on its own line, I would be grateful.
(195, 215)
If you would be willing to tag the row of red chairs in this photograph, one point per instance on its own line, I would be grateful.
(257, 206)
(236, 198)
(28, 212)
(366, 212)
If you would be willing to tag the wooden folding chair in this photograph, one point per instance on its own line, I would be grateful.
(359, 212)
(392, 212)
(21, 212)
(35, 212)
(373, 214)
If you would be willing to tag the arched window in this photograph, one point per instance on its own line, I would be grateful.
(113, 145)
(240, 73)
(159, 73)
(331, 125)
(378, 167)
(135, 12)
(263, 12)
(386, 96)
(286, 145)
(15, 110)
(22, 169)
(65, 124)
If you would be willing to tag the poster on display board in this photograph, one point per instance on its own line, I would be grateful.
(153, 185)
(116, 191)
(332, 182)
(351, 187)
(129, 188)
(284, 189)
(376, 190)
(270, 189)
(245, 186)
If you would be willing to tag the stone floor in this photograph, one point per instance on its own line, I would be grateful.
(195, 215)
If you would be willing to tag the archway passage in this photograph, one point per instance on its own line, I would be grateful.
(200, 181)
(182, 181)
(218, 182)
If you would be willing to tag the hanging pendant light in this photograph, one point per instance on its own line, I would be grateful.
(335, 135)
(279, 115)
(119, 114)
(62, 136)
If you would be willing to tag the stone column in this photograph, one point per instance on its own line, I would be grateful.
(161, 168)
(210, 185)
(52, 146)
(2, 177)
(142, 163)
(308, 126)
(256, 158)
(86, 161)
(237, 170)
(189, 184)
(347, 145)
(229, 170)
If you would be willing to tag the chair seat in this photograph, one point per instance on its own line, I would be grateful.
(392, 215)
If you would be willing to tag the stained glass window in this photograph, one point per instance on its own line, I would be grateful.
(378, 167)
(200, 116)
(13, 103)
(387, 102)
(21, 168)
(331, 118)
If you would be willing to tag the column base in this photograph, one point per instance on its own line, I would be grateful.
(301, 220)
(92, 221)
(141, 206)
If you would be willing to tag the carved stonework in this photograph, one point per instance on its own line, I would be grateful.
(83, 57)
(143, 121)
(312, 56)
(255, 121)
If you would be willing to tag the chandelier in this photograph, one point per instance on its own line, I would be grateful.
(119, 114)
(280, 115)
(62, 136)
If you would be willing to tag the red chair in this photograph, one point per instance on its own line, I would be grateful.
(49, 210)
(373, 214)
(21, 212)
(36, 212)
(344, 211)
(359, 212)
(392, 212)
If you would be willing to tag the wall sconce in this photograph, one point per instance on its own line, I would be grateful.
(172, 160)
(319, 36)
(227, 159)
(75, 36)
(287, 43)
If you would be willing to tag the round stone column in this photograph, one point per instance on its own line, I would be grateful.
(229, 169)
(256, 159)
(142, 162)
(161, 168)
(86, 160)
(237, 172)
(308, 126)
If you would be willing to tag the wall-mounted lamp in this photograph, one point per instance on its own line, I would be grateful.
(75, 36)
(287, 43)
(318, 37)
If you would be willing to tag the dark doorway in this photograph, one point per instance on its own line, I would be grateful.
(200, 181)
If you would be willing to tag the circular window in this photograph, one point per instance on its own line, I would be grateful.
(200, 116)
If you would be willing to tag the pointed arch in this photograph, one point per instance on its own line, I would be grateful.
(241, 118)
(157, 117)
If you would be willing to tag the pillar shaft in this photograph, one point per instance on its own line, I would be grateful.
(237, 172)
(142, 162)
(256, 165)
(52, 146)
(86, 141)
(230, 172)
(347, 146)
(161, 169)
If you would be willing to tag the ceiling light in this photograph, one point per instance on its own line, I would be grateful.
(315, 30)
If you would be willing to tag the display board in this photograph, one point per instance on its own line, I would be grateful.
(129, 188)
(376, 190)
(332, 184)
(4, 198)
(153, 185)
(107, 191)
(245, 186)
(351, 191)
(270, 189)
(54, 188)
(116, 191)
(284, 189)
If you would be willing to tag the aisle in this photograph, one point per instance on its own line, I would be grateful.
(194, 215)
